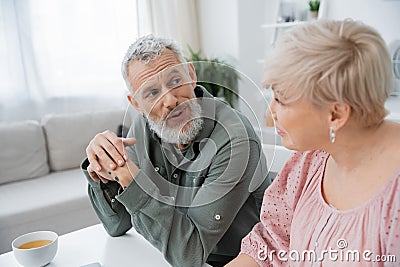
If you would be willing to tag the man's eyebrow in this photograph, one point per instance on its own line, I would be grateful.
(173, 71)
(150, 85)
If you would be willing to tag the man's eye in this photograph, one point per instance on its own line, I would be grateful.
(177, 80)
(277, 101)
(174, 82)
(153, 93)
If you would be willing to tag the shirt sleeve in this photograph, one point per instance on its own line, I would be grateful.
(272, 233)
(391, 221)
(115, 219)
(177, 234)
(113, 215)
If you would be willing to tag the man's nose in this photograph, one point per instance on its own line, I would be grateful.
(169, 99)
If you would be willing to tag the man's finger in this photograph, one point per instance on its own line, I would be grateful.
(103, 180)
(94, 164)
(92, 173)
(95, 176)
(129, 141)
(113, 146)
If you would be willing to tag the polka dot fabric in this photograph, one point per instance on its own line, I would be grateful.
(295, 217)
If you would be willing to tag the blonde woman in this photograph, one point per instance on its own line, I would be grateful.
(336, 202)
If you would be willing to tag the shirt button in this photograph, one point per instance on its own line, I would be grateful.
(157, 169)
(113, 200)
(175, 175)
(217, 217)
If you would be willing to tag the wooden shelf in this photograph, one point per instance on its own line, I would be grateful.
(282, 24)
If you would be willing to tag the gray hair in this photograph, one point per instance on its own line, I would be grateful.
(146, 49)
(335, 61)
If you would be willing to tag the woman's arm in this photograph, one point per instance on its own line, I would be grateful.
(272, 233)
(242, 260)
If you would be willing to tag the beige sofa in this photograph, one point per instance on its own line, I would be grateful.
(41, 185)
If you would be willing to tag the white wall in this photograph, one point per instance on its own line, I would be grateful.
(231, 28)
(252, 47)
(383, 15)
(218, 21)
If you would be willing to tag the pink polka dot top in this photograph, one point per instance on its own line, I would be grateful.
(298, 228)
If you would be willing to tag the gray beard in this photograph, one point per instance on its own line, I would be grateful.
(175, 135)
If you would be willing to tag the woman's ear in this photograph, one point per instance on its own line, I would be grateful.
(134, 103)
(339, 115)
(192, 74)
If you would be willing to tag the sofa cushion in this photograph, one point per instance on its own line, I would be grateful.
(57, 201)
(23, 154)
(69, 134)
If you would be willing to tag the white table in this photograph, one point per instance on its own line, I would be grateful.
(93, 244)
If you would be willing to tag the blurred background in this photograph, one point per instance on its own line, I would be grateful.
(61, 83)
(62, 56)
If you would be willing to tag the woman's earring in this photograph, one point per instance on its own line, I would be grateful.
(332, 135)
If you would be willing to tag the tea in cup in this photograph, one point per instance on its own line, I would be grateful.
(35, 249)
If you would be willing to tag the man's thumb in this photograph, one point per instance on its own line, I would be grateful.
(129, 141)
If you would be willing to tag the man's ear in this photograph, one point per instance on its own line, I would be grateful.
(192, 74)
(339, 115)
(134, 103)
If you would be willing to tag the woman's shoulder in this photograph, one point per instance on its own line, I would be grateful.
(391, 213)
(305, 161)
(302, 166)
(392, 192)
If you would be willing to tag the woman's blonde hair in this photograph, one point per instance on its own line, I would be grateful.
(327, 61)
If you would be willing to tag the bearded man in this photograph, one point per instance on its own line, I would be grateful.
(190, 176)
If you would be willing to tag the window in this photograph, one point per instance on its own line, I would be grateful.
(64, 49)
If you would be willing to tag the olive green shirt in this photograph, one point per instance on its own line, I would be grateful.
(196, 204)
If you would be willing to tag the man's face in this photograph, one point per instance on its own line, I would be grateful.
(164, 92)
